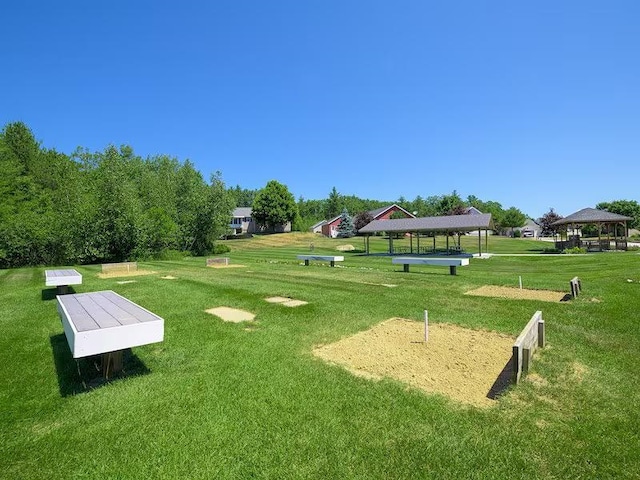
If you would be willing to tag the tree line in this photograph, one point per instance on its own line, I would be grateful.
(105, 206)
(113, 205)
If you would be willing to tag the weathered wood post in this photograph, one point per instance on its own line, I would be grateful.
(426, 326)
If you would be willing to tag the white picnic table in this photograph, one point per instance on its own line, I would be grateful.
(332, 259)
(62, 278)
(106, 323)
(451, 262)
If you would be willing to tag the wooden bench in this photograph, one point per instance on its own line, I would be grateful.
(106, 323)
(62, 279)
(452, 263)
(332, 259)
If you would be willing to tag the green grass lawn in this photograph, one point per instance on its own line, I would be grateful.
(216, 400)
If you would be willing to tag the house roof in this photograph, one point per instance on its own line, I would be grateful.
(591, 215)
(241, 212)
(472, 211)
(320, 223)
(382, 210)
(456, 223)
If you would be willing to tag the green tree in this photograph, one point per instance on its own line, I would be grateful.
(274, 206)
(213, 218)
(345, 227)
(334, 204)
(513, 218)
(628, 208)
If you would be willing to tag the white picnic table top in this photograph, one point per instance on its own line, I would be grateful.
(450, 261)
(101, 322)
(66, 276)
(334, 258)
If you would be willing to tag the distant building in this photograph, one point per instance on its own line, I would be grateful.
(330, 227)
(242, 222)
(530, 229)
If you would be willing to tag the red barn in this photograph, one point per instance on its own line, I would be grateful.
(330, 228)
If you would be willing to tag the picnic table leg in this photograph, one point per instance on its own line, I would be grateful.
(452, 269)
(406, 267)
(306, 262)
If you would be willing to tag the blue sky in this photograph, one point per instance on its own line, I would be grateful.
(531, 104)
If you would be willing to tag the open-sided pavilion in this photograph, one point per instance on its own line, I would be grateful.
(427, 228)
(599, 218)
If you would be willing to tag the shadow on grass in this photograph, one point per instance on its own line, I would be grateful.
(50, 293)
(502, 382)
(84, 374)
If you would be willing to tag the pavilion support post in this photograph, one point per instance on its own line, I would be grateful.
(434, 243)
(447, 242)
(411, 242)
(479, 242)
(600, 239)
(486, 240)
(418, 240)
(390, 243)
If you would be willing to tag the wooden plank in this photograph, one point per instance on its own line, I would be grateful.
(530, 339)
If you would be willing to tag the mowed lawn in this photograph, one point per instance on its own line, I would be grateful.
(220, 400)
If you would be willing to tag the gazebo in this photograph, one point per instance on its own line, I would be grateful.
(430, 226)
(599, 218)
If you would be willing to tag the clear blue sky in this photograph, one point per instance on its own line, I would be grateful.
(532, 104)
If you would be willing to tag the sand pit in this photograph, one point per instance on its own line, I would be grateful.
(286, 301)
(124, 273)
(231, 314)
(517, 293)
(465, 365)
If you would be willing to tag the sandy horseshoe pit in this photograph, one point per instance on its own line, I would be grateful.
(468, 366)
(518, 293)
(229, 314)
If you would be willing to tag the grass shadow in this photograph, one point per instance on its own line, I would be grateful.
(84, 374)
(502, 382)
(50, 293)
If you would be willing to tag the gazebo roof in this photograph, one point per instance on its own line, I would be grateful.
(591, 215)
(455, 223)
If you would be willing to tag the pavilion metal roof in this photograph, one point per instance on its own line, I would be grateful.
(591, 215)
(456, 223)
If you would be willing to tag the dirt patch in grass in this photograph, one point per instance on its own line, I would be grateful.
(469, 366)
(229, 314)
(134, 273)
(286, 301)
(168, 277)
(124, 282)
(518, 293)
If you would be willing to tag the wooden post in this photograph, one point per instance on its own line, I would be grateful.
(426, 326)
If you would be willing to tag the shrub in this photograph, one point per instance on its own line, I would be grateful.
(219, 248)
